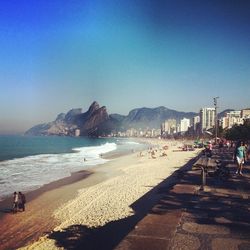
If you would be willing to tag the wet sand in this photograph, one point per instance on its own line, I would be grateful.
(18, 229)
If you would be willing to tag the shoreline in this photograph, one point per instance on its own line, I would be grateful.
(60, 195)
(40, 206)
(6, 203)
(74, 177)
(106, 156)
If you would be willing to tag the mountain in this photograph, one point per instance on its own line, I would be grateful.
(118, 117)
(97, 122)
(86, 124)
(153, 117)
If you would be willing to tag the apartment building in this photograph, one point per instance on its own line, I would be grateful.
(207, 118)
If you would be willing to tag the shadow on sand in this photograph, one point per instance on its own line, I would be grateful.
(206, 208)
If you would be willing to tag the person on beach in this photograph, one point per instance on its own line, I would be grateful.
(153, 154)
(15, 202)
(239, 156)
(21, 201)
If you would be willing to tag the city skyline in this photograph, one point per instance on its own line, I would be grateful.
(60, 55)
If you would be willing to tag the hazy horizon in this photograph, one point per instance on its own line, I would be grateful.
(58, 55)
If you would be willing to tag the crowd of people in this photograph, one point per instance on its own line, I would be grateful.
(153, 153)
(19, 201)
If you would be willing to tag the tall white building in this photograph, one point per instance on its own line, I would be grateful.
(169, 126)
(185, 124)
(195, 122)
(207, 118)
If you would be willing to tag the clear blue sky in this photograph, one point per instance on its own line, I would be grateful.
(56, 55)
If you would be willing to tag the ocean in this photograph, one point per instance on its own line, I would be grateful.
(29, 162)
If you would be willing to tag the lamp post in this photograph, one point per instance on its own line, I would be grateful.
(216, 122)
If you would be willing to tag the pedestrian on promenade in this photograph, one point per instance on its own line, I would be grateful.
(208, 150)
(240, 156)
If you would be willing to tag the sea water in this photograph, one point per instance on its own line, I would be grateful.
(29, 162)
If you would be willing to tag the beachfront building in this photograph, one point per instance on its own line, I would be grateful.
(195, 124)
(184, 125)
(164, 128)
(231, 118)
(130, 132)
(195, 121)
(152, 133)
(170, 126)
(178, 128)
(147, 132)
(207, 118)
(245, 113)
(194, 128)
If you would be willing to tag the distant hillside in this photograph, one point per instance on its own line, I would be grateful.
(97, 122)
(153, 117)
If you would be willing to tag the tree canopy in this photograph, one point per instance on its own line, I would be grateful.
(239, 132)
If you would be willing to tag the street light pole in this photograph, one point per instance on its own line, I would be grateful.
(216, 120)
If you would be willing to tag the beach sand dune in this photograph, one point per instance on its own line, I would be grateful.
(104, 205)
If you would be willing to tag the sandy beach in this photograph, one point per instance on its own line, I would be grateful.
(89, 208)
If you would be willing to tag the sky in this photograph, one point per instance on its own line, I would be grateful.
(57, 55)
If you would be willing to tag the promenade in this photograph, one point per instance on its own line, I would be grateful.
(187, 218)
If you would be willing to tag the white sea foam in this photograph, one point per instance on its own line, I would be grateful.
(31, 172)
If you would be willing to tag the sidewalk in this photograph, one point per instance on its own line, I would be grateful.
(186, 218)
